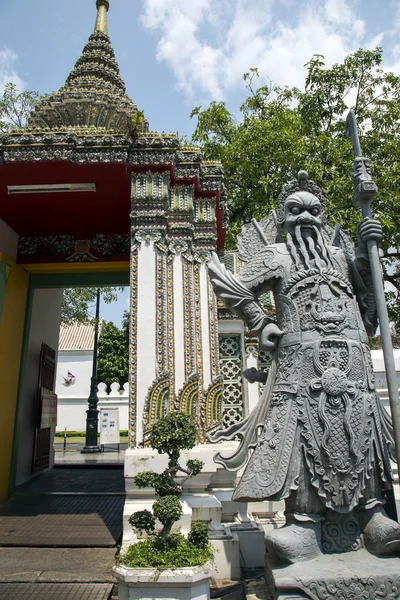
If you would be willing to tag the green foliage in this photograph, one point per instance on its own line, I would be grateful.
(170, 435)
(142, 520)
(15, 107)
(136, 123)
(166, 485)
(113, 355)
(194, 466)
(79, 304)
(145, 479)
(163, 484)
(175, 553)
(283, 130)
(198, 534)
(168, 509)
(71, 434)
(175, 432)
(122, 433)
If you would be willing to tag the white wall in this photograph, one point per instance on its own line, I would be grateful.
(72, 410)
(380, 375)
(80, 363)
(8, 241)
(45, 327)
(73, 399)
(379, 367)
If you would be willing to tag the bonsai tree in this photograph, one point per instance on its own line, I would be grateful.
(163, 549)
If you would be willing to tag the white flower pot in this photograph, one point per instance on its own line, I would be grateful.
(188, 583)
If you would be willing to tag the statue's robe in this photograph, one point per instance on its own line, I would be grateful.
(324, 419)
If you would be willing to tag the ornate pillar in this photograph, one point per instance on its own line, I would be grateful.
(174, 362)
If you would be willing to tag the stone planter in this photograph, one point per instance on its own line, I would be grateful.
(188, 583)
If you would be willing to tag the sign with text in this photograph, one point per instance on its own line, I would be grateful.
(109, 426)
(49, 409)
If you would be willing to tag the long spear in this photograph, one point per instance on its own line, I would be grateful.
(365, 191)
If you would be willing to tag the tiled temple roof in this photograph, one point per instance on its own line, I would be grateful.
(78, 336)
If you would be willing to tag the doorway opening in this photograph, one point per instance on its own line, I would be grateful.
(35, 447)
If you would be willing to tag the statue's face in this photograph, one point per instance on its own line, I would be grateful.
(304, 209)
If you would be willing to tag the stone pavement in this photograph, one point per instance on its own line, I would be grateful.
(75, 506)
(60, 520)
(99, 479)
(56, 565)
(73, 455)
(51, 591)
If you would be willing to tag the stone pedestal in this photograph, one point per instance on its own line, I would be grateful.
(190, 583)
(348, 576)
(252, 544)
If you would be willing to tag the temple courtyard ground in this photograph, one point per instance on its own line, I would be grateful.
(59, 533)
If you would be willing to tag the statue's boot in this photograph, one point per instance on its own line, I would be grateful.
(381, 534)
(298, 540)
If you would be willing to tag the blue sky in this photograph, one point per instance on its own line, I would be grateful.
(177, 54)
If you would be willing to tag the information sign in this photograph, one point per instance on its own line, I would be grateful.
(109, 426)
(49, 409)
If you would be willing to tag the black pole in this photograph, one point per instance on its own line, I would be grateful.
(92, 418)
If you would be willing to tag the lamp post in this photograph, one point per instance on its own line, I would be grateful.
(92, 414)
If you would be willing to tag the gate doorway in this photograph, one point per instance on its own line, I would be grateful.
(33, 450)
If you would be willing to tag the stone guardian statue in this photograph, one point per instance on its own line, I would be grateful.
(321, 439)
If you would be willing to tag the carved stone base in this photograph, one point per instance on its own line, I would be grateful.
(348, 576)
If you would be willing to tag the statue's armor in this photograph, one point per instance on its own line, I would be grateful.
(323, 416)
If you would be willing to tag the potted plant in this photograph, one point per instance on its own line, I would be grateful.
(166, 558)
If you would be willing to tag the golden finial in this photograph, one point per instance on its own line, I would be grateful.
(101, 21)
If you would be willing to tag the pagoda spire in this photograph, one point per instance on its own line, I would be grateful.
(101, 20)
(94, 94)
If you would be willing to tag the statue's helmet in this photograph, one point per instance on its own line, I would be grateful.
(301, 184)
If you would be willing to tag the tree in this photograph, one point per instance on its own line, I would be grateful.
(164, 549)
(283, 130)
(78, 304)
(113, 356)
(15, 107)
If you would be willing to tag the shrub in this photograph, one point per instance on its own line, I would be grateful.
(198, 535)
(142, 520)
(168, 509)
(163, 549)
(176, 552)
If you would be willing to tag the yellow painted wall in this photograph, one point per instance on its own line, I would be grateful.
(11, 336)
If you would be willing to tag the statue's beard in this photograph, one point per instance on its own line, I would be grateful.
(308, 249)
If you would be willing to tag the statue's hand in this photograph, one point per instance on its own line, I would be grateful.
(369, 229)
(269, 336)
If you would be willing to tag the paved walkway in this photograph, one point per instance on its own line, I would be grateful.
(58, 534)
(56, 565)
(84, 479)
(53, 591)
(72, 456)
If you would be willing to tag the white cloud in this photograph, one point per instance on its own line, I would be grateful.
(209, 44)
(195, 63)
(8, 73)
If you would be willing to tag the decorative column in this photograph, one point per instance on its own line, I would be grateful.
(173, 331)
(174, 348)
(146, 321)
